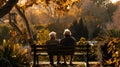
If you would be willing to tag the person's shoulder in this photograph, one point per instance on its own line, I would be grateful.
(62, 39)
(52, 41)
(56, 40)
(47, 41)
(73, 38)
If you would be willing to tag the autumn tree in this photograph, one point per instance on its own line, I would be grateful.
(58, 28)
(96, 14)
(60, 7)
(86, 7)
(42, 36)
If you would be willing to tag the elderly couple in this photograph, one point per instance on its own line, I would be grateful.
(68, 40)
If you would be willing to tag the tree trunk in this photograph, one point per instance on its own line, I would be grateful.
(7, 7)
(12, 22)
(21, 12)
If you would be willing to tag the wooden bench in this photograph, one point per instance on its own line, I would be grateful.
(41, 50)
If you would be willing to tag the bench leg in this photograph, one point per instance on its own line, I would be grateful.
(71, 58)
(64, 58)
(37, 59)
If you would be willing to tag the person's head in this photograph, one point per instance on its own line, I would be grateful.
(52, 35)
(67, 32)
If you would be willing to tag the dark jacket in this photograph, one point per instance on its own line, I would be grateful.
(52, 46)
(68, 41)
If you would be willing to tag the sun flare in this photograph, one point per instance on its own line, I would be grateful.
(114, 1)
(22, 2)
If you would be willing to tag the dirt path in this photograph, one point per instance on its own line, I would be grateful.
(76, 64)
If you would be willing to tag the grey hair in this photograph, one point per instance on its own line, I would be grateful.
(67, 31)
(52, 34)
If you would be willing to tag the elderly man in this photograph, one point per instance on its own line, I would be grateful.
(68, 40)
(51, 44)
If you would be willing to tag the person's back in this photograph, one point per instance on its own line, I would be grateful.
(52, 44)
(69, 41)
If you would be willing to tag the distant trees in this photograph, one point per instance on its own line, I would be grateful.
(58, 28)
(79, 29)
(95, 13)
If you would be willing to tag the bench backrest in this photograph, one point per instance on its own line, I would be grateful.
(79, 50)
(61, 49)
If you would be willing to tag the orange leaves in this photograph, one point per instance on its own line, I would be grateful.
(2, 2)
(34, 0)
(109, 61)
(114, 49)
(13, 33)
(59, 5)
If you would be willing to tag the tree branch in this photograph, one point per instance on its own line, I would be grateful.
(21, 12)
(7, 7)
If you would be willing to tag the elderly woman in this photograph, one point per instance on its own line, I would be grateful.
(51, 46)
(68, 40)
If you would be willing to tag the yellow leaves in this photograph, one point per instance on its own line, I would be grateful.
(22, 3)
(59, 5)
(109, 61)
(114, 49)
(24, 51)
(113, 45)
(4, 42)
(82, 41)
(110, 49)
(17, 49)
(116, 40)
(65, 5)
(115, 54)
(34, 0)
(110, 43)
(113, 61)
(42, 36)
(13, 33)
(2, 2)
(15, 52)
(17, 46)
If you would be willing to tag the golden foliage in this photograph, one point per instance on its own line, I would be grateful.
(15, 52)
(42, 36)
(61, 5)
(114, 48)
(2, 2)
(82, 41)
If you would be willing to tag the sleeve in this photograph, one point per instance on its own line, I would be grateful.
(74, 40)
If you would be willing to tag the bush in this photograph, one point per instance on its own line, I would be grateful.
(14, 55)
(111, 52)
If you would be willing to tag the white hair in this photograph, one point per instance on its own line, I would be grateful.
(67, 31)
(52, 34)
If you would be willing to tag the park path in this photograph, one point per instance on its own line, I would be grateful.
(76, 64)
